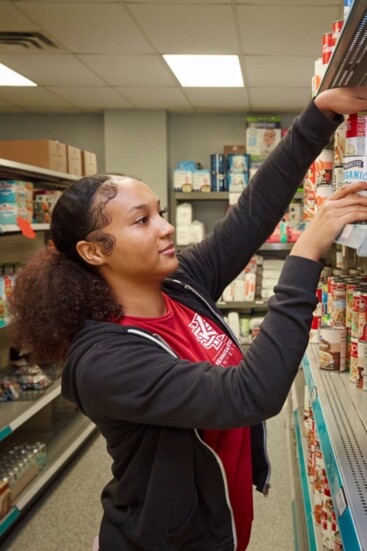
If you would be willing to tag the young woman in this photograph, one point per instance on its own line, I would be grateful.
(148, 356)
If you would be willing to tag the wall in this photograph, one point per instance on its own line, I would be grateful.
(85, 131)
(136, 144)
(195, 137)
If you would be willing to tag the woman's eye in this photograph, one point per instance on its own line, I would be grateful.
(163, 212)
(142, 220)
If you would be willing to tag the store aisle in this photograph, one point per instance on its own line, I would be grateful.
(68, 515)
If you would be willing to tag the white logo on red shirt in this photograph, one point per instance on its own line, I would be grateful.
(205, 334)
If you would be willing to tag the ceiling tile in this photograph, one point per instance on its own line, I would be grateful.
(51, 70)
(92, 98)
(285, 30)
(178, 2)
(32, 97)
(279, 99)
(156, 98)
(82, 28)
(13, 20)
(130, 70)
(188, 29)
(278, 71)
(225, 99)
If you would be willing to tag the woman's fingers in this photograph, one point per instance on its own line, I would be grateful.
(347, 189)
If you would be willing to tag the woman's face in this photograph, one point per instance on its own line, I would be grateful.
(143, 248)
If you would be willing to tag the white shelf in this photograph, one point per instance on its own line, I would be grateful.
(11, 228)
(253, 305)
(14, 413)
(70, 432)
(13, 170)
(341, 421)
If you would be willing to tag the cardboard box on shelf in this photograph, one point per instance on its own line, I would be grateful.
(89, 163)
(48, 154)
(236, 149)
(74, 160)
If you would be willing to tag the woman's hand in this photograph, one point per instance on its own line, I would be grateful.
(345, 206)
(342, 101)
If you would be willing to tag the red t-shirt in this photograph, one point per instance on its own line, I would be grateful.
(195, 338)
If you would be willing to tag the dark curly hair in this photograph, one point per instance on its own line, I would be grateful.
(56, 291)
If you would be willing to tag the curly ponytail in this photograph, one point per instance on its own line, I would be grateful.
(56, 292)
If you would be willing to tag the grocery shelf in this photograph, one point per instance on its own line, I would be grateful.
(13, 170)
(11, 228)
(14, 413)
(276, 247)
(69, 433)
(348, 63)
(256, 304)
(201, 195)
(355, 237)
(341, 422)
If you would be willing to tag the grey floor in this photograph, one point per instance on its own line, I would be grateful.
(67, 517)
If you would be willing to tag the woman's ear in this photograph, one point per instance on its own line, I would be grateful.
(90, 252)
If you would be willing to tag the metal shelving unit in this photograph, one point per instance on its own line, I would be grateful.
(250, 305)
(14, 228)
(12, 170)
(348, 64)
(341, 419)
(67, 432)
(70, 432)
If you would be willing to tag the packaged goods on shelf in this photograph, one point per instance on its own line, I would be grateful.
(42, 153)
(238, 163)
(218, 180)
(182, 180)
(233, 320)
(89, 163)
(15, 201)
(44, 202)
(184, 214)
(236, 149)
(20, 464)
(263, 133)
(6, 289)
(5, 498)
(237, 181)
(74, 160)
(201, 180)
(196, 232)
(280, 234)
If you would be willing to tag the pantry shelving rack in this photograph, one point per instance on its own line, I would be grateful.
(348, 67)
(340, 412)
(70, 429)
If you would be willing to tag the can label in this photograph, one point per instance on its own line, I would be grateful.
(332, 348)
(327, 47)
(337, 313)
(356, 134)
(355, 170)
(337, 28)
(353, 373)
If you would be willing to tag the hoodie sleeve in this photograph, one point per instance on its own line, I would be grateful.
(215, 262)
(132, 379)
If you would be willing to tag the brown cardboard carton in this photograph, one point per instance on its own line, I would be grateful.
(89, 163)
(74, 160)
(237, 149)
(42, 153)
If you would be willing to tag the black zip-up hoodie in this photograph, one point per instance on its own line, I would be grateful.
(169, 489)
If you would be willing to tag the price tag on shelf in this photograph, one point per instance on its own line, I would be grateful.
(25, 228)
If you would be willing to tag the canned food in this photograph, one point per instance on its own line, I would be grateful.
(356, 134)
(332, 348)
(337, 29)
(353, 368)
(327, 47)
(337, 312)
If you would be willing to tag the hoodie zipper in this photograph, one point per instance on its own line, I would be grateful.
(265, 490)
(163, 344)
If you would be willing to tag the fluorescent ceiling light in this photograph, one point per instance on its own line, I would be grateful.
(8, 77)
(205, 71)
